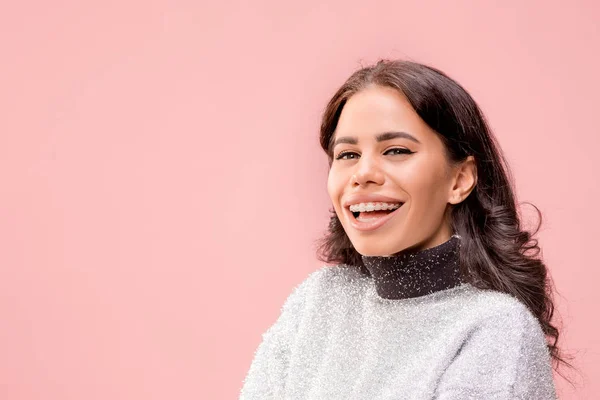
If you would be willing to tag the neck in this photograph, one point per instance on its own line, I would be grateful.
(416, 273)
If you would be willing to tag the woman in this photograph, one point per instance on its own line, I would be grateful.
(436, 291)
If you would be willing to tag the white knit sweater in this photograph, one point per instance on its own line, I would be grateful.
(337, 339)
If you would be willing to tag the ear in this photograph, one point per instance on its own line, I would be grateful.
(464, 180)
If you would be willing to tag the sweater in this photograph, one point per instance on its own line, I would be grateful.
(397, 334)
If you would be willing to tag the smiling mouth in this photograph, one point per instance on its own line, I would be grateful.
(366, 216)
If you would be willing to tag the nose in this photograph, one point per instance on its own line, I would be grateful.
(367, 171)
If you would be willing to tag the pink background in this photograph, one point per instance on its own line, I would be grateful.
(162, 185)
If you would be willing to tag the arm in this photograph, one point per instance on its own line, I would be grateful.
(266, 377)
(258, 383)
(504, 358)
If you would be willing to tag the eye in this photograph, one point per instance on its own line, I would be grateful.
(399, 151)
(343, 154)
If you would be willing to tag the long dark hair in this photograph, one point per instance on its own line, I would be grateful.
(496, 252)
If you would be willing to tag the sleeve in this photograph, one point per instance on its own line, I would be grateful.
(266, 377)
(505, 357)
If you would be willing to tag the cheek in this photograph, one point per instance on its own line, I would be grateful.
(426, 185)
(333, 187)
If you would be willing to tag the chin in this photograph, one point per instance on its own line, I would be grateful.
(374, 249)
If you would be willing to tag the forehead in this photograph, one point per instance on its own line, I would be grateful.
(378, 109)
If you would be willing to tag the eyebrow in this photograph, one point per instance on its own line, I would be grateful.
(379, 138)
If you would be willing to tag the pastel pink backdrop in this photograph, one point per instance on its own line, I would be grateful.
(162, 186)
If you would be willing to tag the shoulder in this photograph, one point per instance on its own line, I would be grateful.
(316, 287)
(328, 281)
(331, 274)
(493, 308)
(503, 339)
(328, 277)
(490, 303)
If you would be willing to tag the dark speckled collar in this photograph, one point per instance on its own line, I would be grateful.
(413, 274)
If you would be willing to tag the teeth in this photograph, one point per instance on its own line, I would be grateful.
(366, 207)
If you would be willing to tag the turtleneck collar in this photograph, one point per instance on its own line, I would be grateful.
(413, 274)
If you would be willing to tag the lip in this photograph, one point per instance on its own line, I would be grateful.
(369, 198)
(371, 225)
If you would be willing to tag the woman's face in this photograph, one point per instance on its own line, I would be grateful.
(384, 152)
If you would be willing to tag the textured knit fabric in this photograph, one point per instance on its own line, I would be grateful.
(337, 338)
